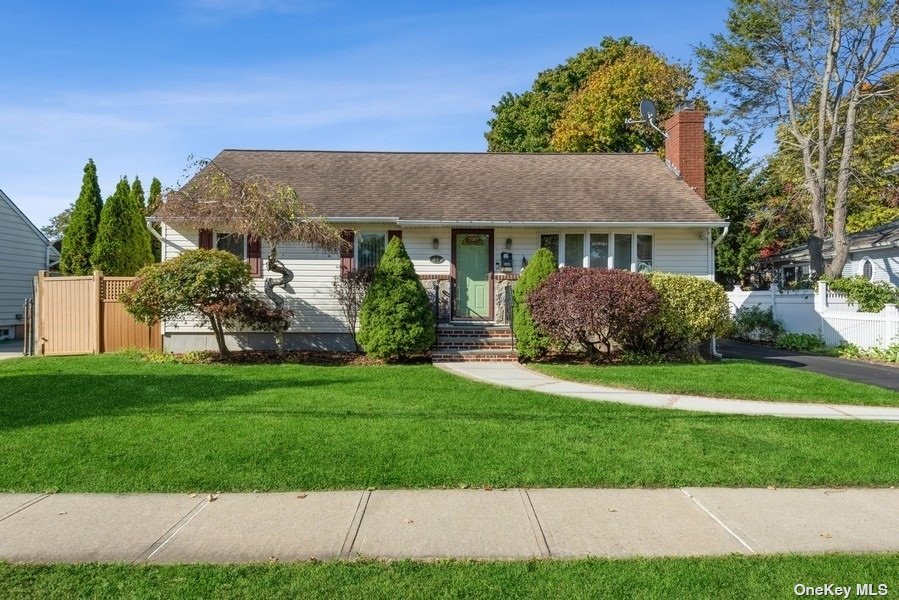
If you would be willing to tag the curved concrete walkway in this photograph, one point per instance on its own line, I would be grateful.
(516, 376)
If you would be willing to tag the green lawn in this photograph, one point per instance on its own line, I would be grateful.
(114, 424)
(720, 578)
(729, 378)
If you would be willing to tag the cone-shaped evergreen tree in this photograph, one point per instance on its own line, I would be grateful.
(122, 247)
(396, 319)
(530, 342)
(137, 193)
(153, 201)
(81, 231)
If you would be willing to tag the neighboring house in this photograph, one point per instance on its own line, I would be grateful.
(873, 254)
(24, 251)
(470, 221)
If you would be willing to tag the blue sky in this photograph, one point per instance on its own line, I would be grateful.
(140, 86)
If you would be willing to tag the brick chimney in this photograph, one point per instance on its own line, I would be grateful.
(685, 145)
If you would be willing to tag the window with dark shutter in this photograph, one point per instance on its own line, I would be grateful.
(206, 239)
(392, 233)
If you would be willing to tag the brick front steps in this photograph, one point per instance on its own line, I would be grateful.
(473, 342)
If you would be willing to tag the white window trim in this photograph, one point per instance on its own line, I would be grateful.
(215, 242)
(585, 250)
(861, 267)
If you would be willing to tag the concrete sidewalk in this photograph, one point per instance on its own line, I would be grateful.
(428, 524)
(513, 375)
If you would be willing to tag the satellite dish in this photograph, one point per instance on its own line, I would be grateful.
(648, 112)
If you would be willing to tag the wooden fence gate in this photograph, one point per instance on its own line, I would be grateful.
(83, 315)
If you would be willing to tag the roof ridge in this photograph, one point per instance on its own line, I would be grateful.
(440, 152)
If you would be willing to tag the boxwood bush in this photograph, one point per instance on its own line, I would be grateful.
(691, 310)
(530, 342)
(593, 308)
(396, 319)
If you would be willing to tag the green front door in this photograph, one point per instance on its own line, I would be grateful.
(472, 275)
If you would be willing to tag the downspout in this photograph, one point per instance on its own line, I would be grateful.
(713, 348)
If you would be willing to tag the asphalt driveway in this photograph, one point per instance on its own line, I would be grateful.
(873, 374)
(10, 349)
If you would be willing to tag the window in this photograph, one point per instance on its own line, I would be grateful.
(233, 243)
(867, 269)
(574, 249)
(623, 244)
(371, 249)
(644, 253)
(789, 275)
(599, 250)
(550, 241)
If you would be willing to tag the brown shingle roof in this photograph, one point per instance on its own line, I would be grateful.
(498, 187)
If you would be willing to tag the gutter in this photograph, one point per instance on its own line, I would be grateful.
(552, 224)
(713, 346)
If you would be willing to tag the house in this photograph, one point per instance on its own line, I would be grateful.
(470, 222)
(24, 251)
(873, 254)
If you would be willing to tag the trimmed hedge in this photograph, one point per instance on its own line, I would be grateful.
(396, 319)
(593, 308)
(691, 311)
(530, 342)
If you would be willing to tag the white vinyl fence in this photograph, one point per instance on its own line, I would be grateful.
(825, 313)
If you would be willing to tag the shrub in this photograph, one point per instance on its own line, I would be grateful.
(529, 341)
(870, 297)
(593, 308)
(800, 342)
(396, 320)
(350, 289)
(81, 231)
(213, 283)
(691, 311)
(756, 324)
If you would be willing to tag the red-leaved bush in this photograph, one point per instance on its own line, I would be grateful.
(593, 308)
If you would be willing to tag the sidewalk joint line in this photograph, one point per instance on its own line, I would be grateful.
(536, 525)
(842, 412)
(169, 535)
(350, 540)
(22, 507)
(719, 521)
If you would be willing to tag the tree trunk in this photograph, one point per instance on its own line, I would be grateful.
(217, 329)
(841, 197)
(270, 284)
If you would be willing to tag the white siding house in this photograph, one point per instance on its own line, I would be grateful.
(469, 222)
(24, 251)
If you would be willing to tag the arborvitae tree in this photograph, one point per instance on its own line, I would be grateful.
(81, 230)
(137, 195)
(530, 341)
(396, 319)
(153, 201)
(121, 248)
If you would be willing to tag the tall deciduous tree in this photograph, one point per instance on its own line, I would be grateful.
(593, 119)
(780, 58)
(122, 247)
(81, 229)
(525, 122)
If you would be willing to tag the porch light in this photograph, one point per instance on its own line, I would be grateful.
(435, 243)
(508, 243)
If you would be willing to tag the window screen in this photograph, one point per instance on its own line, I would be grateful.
(574, 249)
(623, 242)
(599, 250)
(231, 242)
(644, 253)
(550, 241)
(371, 249)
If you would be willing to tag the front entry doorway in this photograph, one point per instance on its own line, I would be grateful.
(473, 268)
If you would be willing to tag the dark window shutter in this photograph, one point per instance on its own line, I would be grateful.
(206, 239)
(254, 255)
(392, 233)
(346, 250)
